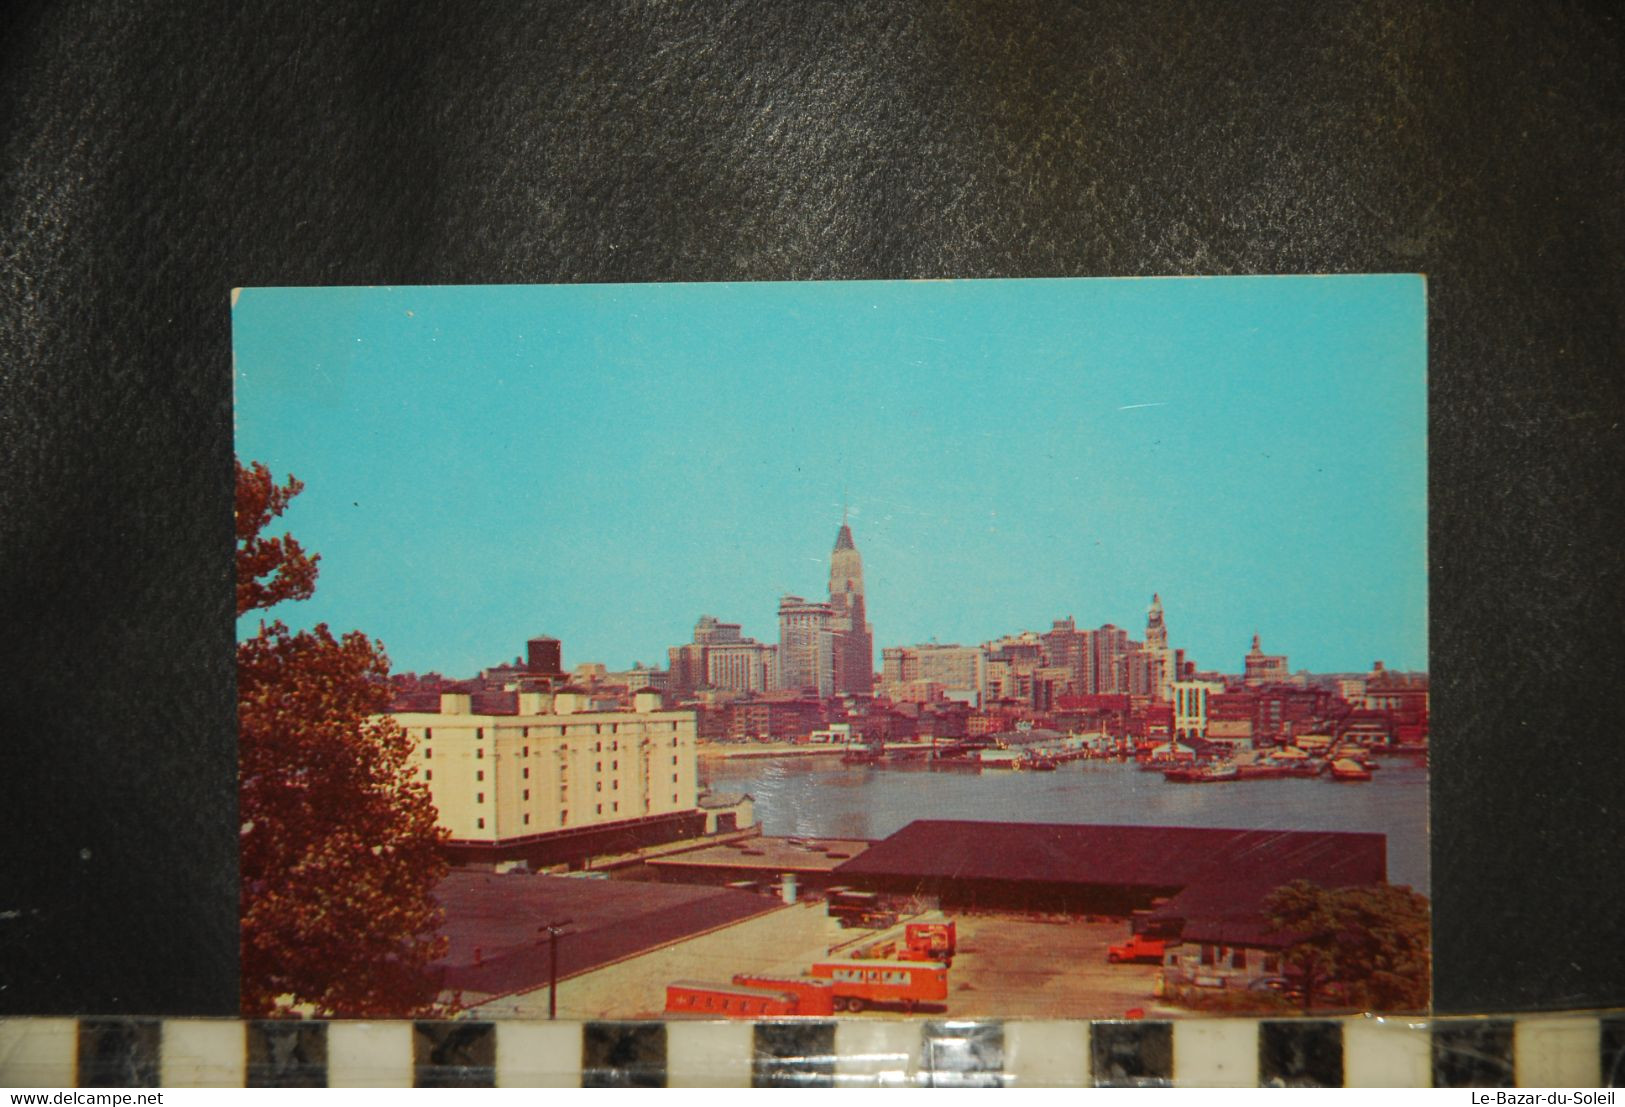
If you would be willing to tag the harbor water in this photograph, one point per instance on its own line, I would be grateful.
(818, 797)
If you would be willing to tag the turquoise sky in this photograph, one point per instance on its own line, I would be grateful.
(605, 463)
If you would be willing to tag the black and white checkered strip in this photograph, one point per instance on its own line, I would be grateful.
(1529, 1051)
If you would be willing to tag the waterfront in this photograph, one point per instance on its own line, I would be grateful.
(819, 797)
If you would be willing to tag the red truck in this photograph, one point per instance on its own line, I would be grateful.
(1138, 948)
(929, 941)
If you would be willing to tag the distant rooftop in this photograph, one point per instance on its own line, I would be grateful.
(415, 701)
(773, 854)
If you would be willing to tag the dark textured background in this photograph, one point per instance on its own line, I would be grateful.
(154, 158)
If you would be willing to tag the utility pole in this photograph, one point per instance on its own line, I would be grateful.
(554, 931)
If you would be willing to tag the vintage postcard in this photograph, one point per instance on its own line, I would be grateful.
(1020, 649)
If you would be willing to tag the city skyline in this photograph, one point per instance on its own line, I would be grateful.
(605, 464)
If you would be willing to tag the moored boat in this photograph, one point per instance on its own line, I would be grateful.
(1203, 774)
(1290, 761)
(1346, 768)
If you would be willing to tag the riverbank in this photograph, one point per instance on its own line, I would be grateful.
(732, 751)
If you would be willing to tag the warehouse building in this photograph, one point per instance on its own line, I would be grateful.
(540, 778)
(1108, 870)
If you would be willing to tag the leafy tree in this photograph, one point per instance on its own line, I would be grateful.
(339, 844)
(269, 570)
(1372, 939)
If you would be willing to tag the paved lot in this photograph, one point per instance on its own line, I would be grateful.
(1024, 968)
(784, 941)
(1008, 966)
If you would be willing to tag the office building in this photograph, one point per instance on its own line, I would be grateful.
(722, 659)
(1262, 668)
(806, 646)
(1190, 699)
(742, 666)
(960, 671)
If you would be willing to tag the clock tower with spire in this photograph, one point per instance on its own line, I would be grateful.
(1161, 660)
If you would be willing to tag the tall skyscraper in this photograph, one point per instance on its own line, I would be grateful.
(854, 647)
(1109, 646)
(1067, 647)
(829, 647)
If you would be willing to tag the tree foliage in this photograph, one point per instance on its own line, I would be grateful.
(339, 844)
(1373, 940)
(269, 570)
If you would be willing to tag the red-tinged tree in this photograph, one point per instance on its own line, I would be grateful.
(269, 570)
(339, 844)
